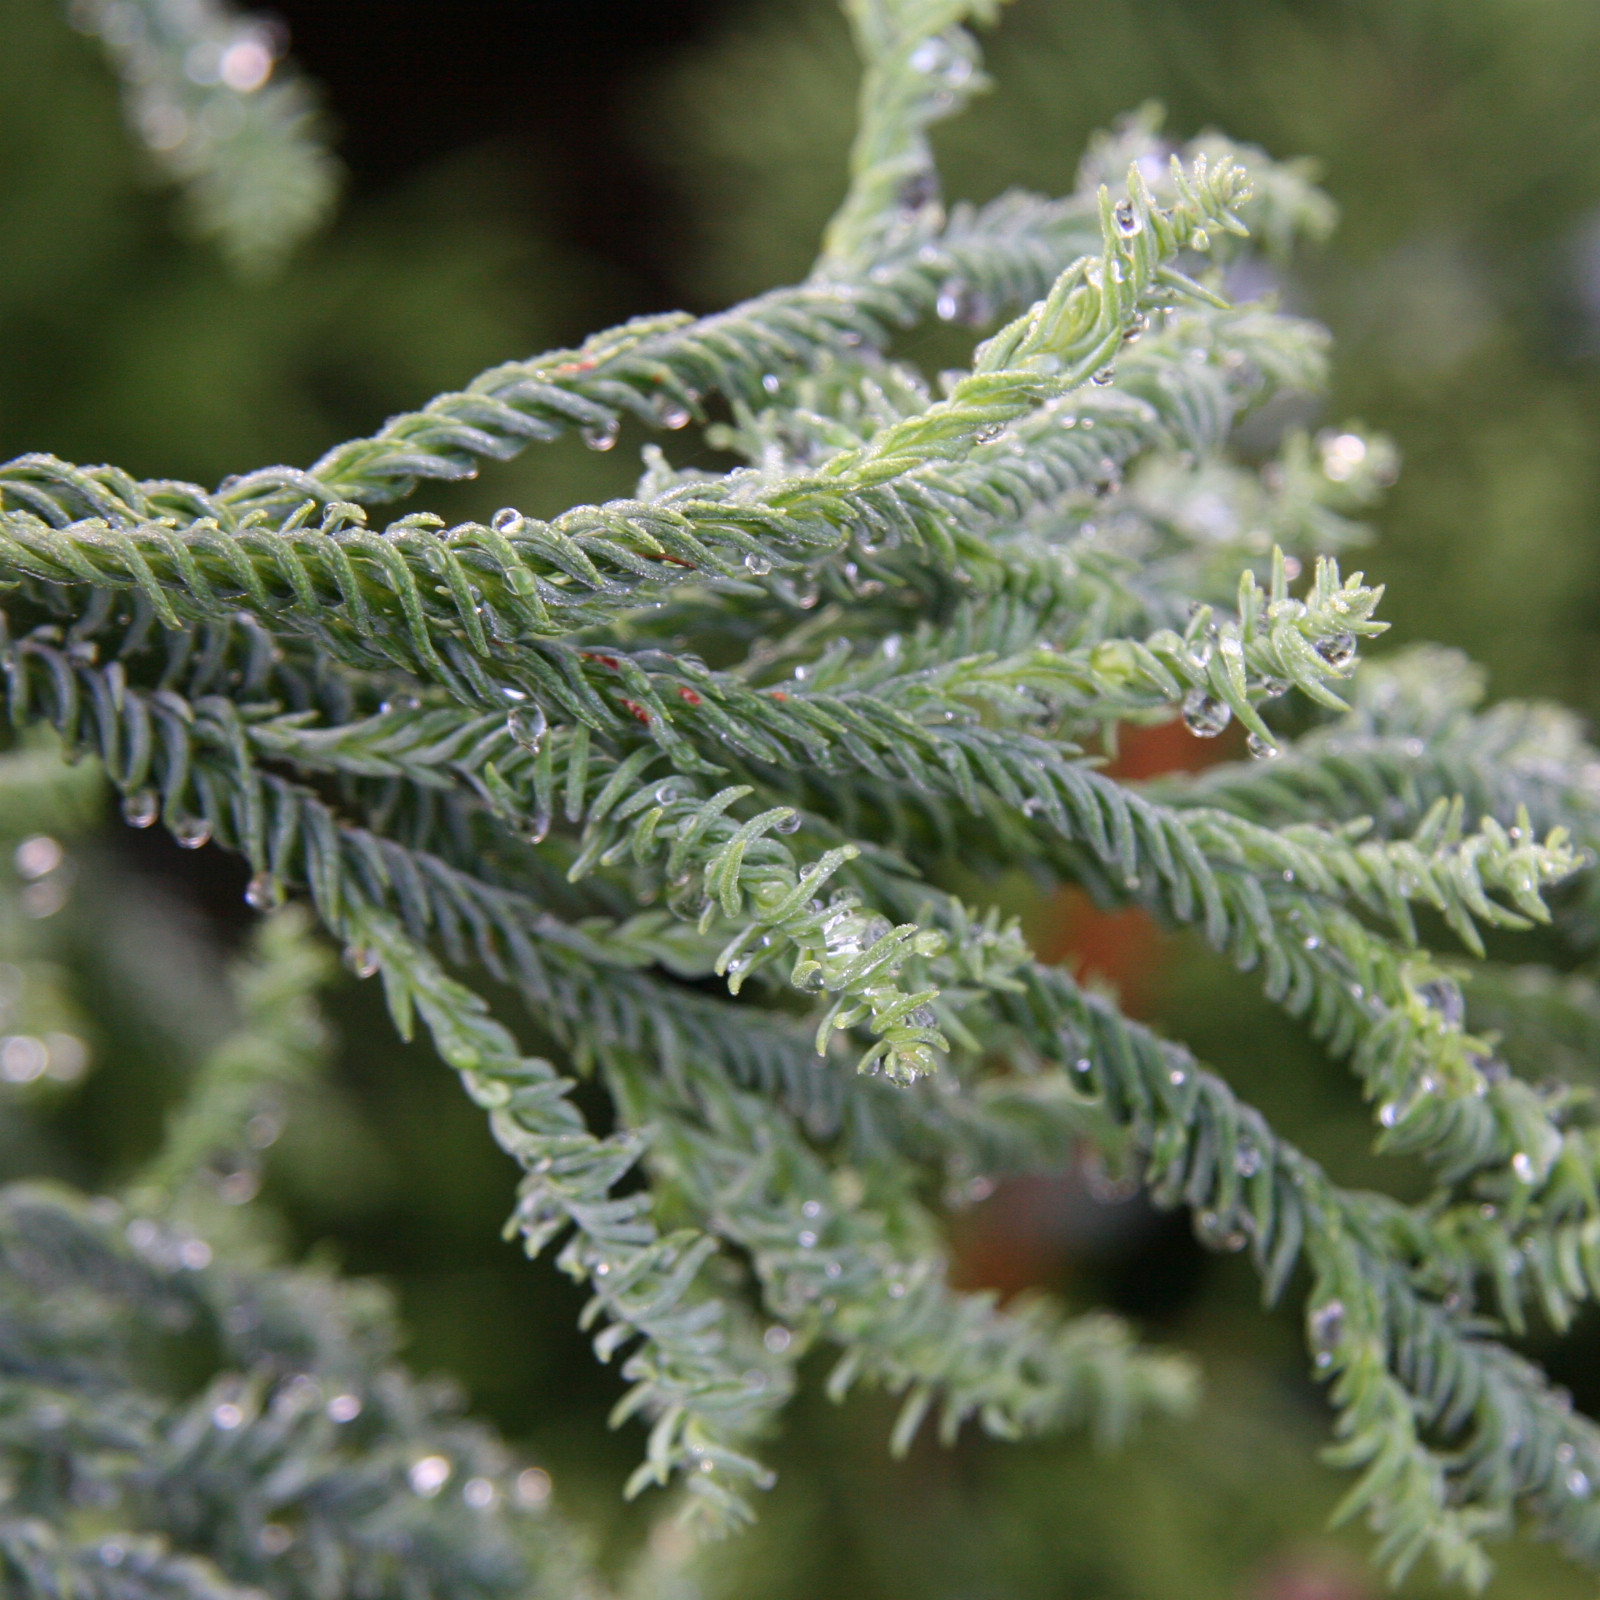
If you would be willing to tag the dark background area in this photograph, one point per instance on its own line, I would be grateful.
(524, 171)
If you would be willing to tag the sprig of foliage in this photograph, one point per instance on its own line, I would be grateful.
(207, 96)
(501, 747)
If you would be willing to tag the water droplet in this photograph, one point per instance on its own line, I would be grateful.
(1312, 942)
(1326, 1327)
(1246, 1159)
(812, 1208)
(758, 564)
(191, 832)
(777, 1339)
(227, 1416)
(263, 892)
(429, 1475)
(38, 856)
(1206, 716)
(528, 726)
(1338, 651)
(506, 520)
(989, 434)
(601, 436)
(1342, 454)
(771, 382)
(360, 960)
(1444, 997)
(807, 1239)
(671, 414)
(1105, 375)
(1522, 1165)
(1578, 1484)
(1083, 1064)
(1388, 1113)
(959, 302)
(239, 1188)
(1274, 688)
(789, 824)
(23, 1058)
(1177, 1077)
(1127, 219)
(917, 191)
(479, 1493)
(141, 808)
(1261, 750)
(533, 1487)
(275, 1538)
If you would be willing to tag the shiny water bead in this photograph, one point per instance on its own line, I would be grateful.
(191, 832)
(360, 960)
(429, 1475)
(757, 563)
(141, 808)
(1338, 651)
(1260, 749)
(1326, 1327)
(533, 1487)
(1444, 997)
(1105, 375)
(506, 520)
(601, 435)
(1205, 715)
(344, 1408)
(1127, 218)
(918, 191)
(960, 302)
(528, 725)
(263, 892)
(790, 823)
(671, 413)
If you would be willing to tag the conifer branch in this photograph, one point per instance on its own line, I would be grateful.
(373, 599)
(205, 94)
(493, 744)
(919, 66)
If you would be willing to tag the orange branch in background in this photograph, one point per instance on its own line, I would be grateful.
(1124, 947)
(1029, 1230)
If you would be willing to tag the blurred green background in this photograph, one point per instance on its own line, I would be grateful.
(526, 170)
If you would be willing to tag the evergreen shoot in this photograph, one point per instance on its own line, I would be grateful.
(686, 774)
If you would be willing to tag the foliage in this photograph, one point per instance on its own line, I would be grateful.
(687, 773)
